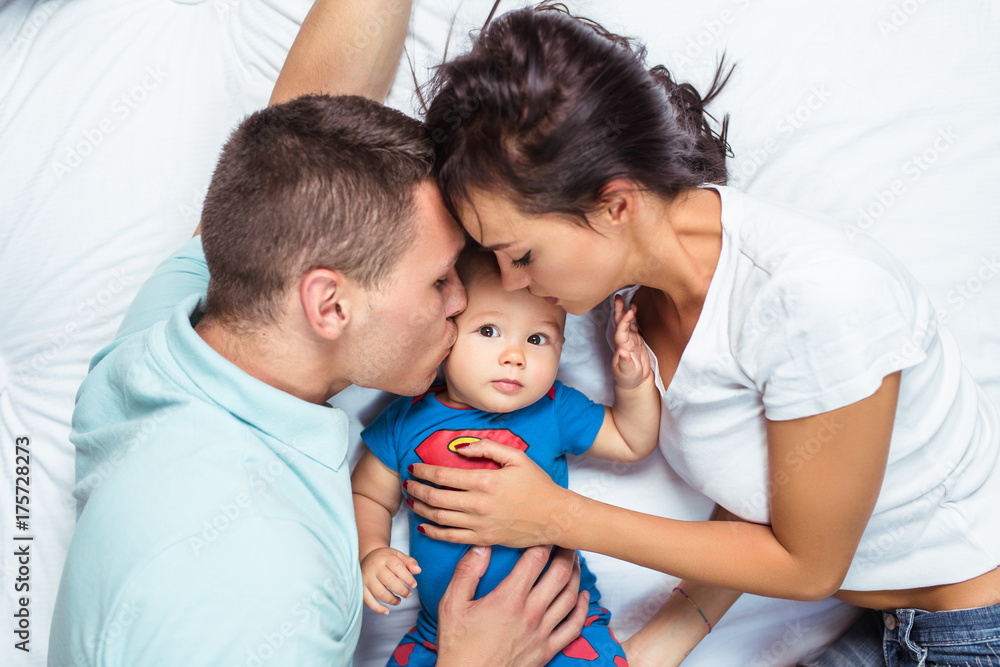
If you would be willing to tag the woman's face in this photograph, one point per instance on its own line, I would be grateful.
(551, 255)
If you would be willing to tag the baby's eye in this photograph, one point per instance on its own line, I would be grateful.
(488, 331)
(538, 339)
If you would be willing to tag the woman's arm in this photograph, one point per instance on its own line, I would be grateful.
(345, 47)
(820, 505)
(688, 615)
(678, 626)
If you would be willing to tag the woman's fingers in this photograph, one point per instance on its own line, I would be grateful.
(441, 506)
(502, 455)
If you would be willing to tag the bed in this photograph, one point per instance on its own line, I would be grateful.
(881, 115)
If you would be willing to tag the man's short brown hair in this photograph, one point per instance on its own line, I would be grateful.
(316, 182)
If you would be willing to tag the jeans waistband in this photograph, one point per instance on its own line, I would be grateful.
(944, 627)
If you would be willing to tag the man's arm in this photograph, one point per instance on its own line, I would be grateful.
(345, 47)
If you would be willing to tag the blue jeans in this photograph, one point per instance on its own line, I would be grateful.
(916, 638)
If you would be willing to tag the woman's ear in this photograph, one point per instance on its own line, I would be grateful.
(328, 300)
(617, 204)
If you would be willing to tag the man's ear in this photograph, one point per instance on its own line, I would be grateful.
(328, 301)
(617, 204)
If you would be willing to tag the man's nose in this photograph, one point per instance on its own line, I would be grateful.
(513, 278)
(512, 356)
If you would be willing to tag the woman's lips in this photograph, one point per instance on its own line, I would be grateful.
(552, 300)
(507, 386)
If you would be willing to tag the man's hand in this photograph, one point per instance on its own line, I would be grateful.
(524, 621)
(387, 575)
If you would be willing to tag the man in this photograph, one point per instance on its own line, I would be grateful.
(216, 525)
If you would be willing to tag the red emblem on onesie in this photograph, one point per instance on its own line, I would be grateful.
(439, 449)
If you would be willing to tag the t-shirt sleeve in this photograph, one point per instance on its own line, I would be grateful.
(822, 336)
(579, 419)
(383, 434)
(180, 275)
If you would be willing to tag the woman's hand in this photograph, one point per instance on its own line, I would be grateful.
(517, 506)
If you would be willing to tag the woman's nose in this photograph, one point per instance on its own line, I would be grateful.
(513, 278)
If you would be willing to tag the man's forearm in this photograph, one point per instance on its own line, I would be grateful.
(345, 47)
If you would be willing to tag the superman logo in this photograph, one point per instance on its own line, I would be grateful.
(440, 448)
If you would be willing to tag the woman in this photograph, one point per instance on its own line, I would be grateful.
(807, 386)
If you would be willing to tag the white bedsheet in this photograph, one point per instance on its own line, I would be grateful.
(880, 114)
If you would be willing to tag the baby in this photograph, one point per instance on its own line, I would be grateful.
(500, 386)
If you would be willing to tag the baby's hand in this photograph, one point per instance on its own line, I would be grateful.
(631, 363)
(387, 574)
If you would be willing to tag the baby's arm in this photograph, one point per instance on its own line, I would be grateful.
(631, 428)
(386, 572)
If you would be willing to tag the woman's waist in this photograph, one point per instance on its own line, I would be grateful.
(981, 591)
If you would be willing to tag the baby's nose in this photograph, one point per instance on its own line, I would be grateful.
(512, 356)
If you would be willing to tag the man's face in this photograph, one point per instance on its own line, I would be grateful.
(408, 328)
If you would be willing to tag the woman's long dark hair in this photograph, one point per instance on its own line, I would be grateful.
(547, 108)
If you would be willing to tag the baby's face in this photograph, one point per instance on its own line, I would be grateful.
(507, 352)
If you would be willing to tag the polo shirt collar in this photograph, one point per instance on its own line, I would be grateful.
(317, 431)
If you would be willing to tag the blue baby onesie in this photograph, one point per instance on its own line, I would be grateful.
(424, 430)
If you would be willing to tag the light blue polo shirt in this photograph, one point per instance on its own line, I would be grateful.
(216, 524)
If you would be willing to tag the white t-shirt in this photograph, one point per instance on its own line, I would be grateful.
(800, 320)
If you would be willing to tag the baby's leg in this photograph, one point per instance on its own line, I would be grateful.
(413, 651)
(596, 645)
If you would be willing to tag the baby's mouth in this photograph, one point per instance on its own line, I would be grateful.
(507, 386)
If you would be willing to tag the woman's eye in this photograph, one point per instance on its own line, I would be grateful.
(538, 339)
(488, 331)
(523, 261)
